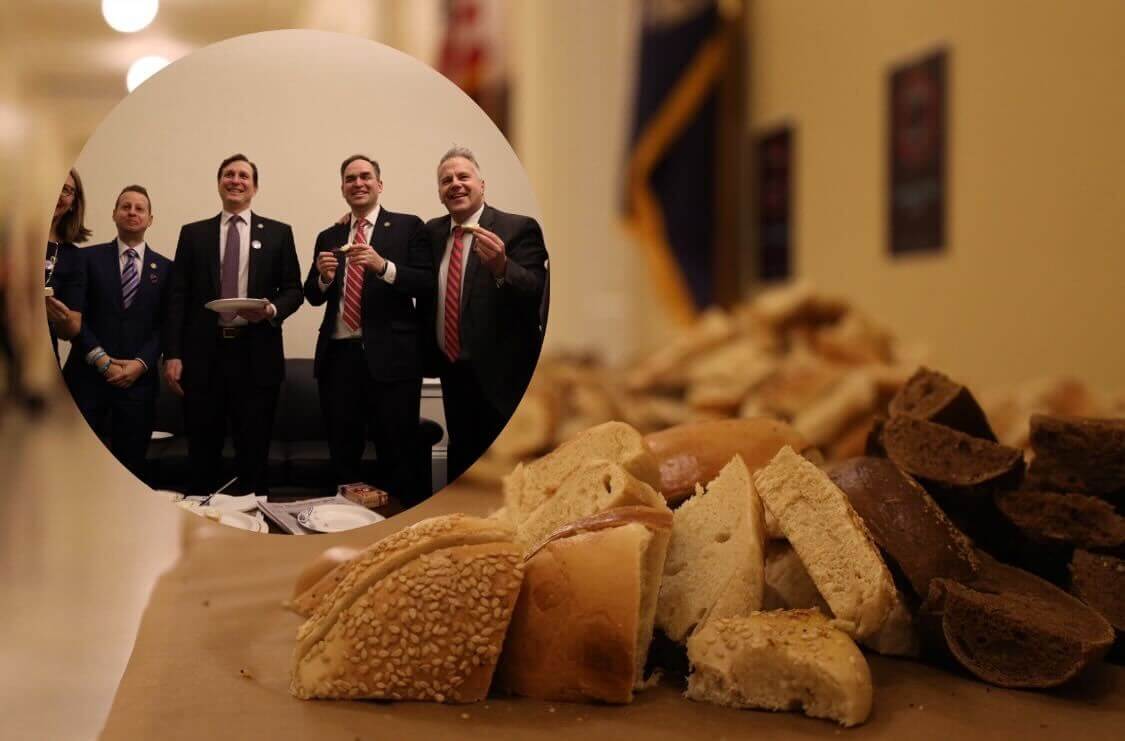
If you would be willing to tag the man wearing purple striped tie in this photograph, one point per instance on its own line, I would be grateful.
(112, 367)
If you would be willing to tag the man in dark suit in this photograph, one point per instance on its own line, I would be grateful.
(112, 367)
(230, 365)
(367, 354)
(483, 318)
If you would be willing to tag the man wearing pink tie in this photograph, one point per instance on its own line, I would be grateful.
(367, 360)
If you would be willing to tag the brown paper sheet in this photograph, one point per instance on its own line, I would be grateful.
(211, 660)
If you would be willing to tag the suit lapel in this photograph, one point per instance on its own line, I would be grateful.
(148, 272)
(110, 266)
(255, 232)
(473, 264)
(379, 231)
(214, 226)
(339, 239)
(441, 238)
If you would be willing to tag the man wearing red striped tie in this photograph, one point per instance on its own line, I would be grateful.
(485, 323)
(367, 360)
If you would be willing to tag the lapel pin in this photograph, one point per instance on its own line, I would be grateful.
(256, 244)
(259, 225)
(386, 223)
(152, 265)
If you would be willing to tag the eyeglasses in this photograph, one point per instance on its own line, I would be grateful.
(68, 191)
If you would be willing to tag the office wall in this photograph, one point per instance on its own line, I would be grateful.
(1033, 279)
(297, 103)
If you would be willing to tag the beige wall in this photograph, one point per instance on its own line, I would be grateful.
(297, 103)
(1033, 281)
(573, 65)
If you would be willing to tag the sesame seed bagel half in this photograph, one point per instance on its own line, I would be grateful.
(421, 615)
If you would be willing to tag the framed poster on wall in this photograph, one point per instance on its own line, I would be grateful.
(917, 154)
(775, 197)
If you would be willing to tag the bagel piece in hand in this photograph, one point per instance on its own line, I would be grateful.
(421, 615)
(584, 619)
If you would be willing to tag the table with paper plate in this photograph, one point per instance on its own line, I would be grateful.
(259, 515)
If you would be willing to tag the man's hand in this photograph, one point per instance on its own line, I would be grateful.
(124, 373)
(490, 249)
(326, 264)
(256, 315)
(57, 311)
(365, 255)
(173, 370)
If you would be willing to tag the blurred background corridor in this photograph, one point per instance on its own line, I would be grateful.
(684, 153)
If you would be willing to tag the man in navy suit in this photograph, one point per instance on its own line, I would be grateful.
(367, 363)
(112, 367)
(229, 366)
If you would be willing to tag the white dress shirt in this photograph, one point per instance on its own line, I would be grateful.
(243, 258)
(443, 270)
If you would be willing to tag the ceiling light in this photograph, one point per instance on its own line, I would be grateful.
(142, 69)
(129, 16)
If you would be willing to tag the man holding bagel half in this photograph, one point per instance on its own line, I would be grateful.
(367, 362)
(484, 322)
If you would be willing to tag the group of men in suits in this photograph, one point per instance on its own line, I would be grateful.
(461, 297)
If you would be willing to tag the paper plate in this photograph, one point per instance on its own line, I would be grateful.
(228, 503)
(335, 518)
(230, 305)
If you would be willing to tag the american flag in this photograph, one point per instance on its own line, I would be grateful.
(473, 54)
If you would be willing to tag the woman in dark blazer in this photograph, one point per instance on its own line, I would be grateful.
(64, 274)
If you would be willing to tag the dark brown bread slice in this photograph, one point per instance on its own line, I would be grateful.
(1012, 629)
(950, 458)
(905, 522)
(935, 397)
(1099, 581)
(1078, 454)
(1049, 518)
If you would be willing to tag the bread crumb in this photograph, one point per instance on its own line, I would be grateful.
(551, 709)
(245, 674)
(465, 716)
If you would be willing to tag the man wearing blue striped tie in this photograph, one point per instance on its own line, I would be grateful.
(112, 368)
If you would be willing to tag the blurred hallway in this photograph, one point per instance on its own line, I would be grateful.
(80, 547)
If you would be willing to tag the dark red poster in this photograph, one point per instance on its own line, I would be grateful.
(775, 151)
(918, 112)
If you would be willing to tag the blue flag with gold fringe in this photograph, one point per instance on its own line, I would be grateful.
(670, 179)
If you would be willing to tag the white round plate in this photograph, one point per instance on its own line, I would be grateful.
(228, 503)
(335, 518)
(229, 305)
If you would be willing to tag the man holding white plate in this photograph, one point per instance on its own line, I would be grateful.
(234, 281)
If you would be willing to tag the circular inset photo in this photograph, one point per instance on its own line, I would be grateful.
(296, 282)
